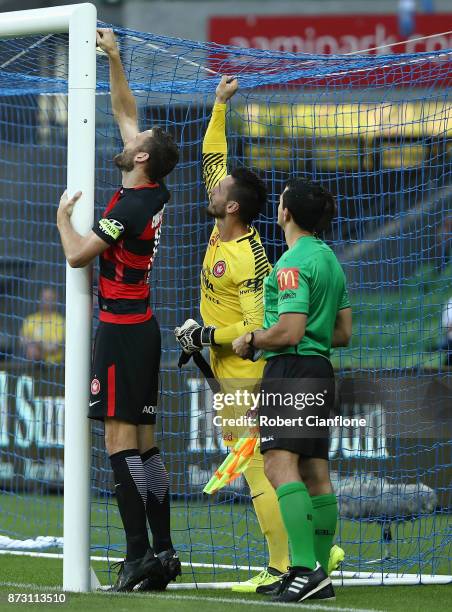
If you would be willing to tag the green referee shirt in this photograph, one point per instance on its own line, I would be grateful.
(307, 279)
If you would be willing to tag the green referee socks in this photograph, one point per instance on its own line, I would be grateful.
(296, 511)
(324, 514)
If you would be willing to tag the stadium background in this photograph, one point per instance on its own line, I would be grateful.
(405, 294)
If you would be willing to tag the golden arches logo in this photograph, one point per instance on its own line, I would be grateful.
(287, 278)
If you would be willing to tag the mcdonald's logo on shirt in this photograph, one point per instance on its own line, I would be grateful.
(287, 278)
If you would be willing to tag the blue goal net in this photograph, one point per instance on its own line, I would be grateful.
(377, 132)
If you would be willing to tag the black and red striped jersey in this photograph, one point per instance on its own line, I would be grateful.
(131, 225)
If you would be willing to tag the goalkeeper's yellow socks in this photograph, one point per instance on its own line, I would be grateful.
(268, 514)
(324, 515)
(296, 510)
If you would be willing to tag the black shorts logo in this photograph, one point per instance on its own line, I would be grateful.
(95, 386)
(149, 410)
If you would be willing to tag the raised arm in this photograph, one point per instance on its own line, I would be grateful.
(214, 147)
(122, 100)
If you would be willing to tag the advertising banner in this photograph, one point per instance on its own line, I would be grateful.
(386, 425)
(343, 35)
(31, 426)
(330, 34)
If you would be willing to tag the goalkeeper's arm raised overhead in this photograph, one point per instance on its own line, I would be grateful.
(122, 100)
(215, 147)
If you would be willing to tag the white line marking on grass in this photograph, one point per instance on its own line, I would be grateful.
(24, 585)
(112, 559)
(199, 598)
(259, 603)
(340, 578)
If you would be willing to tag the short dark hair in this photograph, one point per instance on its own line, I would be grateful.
(163, 154)
(312, 207)
(249, 191)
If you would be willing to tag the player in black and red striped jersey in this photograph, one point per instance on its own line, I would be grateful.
(126, 356)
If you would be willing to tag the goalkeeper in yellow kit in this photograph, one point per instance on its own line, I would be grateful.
(233, 271)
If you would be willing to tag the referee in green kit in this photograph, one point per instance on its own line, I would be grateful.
(306, 313)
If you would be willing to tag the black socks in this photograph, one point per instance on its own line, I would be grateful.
(131, 491)
(158, 502)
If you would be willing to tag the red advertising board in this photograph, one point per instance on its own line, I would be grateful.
(340, 35)
(330, 34)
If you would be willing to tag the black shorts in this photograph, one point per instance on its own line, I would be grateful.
(298, 366)
(125, 372)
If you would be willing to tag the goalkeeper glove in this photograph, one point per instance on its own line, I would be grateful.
(193, 337)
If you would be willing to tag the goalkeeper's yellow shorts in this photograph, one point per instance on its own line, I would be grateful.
(234, 373)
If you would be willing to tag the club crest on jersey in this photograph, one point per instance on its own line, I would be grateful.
(287, 278)
(95, 386)
(219, 268)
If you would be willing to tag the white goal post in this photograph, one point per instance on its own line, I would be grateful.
(79, 20)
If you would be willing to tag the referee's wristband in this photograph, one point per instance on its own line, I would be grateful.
(251, 340)
(255, 354)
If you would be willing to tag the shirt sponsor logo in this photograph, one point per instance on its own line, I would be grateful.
(157, 225)
(219, 268)
(288, 278)
(205, 279)
(287, 295)
(111, 228)
(254, 283)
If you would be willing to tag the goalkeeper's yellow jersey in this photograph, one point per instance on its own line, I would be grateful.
(233, 272)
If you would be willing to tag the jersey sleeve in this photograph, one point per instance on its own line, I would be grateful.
(250, 284)
(120, 222)
(293, 290)
(215, 148)
(345, 300)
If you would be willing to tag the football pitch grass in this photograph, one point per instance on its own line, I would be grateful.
(232, 528)
(38, 576)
